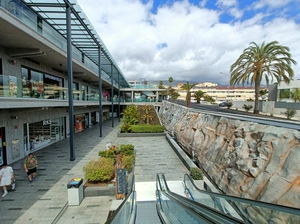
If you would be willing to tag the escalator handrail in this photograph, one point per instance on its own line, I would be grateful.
(204, 211)
(132, 212)
(280, 208)
(163, 218)
(161, 212)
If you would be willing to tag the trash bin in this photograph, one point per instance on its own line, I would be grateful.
(75, 191)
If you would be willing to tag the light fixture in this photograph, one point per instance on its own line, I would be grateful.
(11, 61)
(14, 117)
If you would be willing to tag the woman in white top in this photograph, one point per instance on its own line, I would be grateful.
(6, 178)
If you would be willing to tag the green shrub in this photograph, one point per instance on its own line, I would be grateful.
(147, 128)
(290, 113)
(247, 107)
(107, 154)
(196, 173)
(127, 149)
(229, 104)
(130, 117)
(100, 170)
(128, 162)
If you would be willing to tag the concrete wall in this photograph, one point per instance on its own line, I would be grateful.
(271, 108)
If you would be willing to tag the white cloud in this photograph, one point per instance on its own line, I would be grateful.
(270, 3)
(194, 44)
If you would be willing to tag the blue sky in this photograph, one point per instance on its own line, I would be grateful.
(193, 40)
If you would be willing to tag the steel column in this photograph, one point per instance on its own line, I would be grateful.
(119, 97)
(112, 95)
(100, 92)
(70, 81)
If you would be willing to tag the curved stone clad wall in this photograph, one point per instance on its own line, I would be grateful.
(244, 159)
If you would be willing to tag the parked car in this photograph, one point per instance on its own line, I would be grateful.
(223, 104)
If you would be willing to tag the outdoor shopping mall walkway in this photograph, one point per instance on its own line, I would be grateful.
(47, 197)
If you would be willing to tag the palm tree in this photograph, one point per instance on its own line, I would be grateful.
(269, 61)
(187, 86)
(209, 98)
(161, 85)
(198, 95)
(170, 80)
(263, 93)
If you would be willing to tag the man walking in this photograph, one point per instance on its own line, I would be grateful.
(6, 178)
(30, 166)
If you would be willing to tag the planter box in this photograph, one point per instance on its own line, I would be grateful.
(99, 191)
(141, 134)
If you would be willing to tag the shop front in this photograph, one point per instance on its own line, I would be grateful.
(40, 134)
(81, 122)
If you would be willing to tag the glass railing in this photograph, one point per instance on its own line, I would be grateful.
(249, 210)
(126, 212)
(11, 86)
(139, 100)
(141, 86)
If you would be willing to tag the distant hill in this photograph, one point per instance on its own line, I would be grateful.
(175, 83)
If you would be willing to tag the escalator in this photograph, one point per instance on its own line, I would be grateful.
(250, 211)
(168, 208)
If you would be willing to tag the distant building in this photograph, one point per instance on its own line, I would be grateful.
(281, 92)
(220, 93)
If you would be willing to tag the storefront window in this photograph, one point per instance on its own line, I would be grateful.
(94, 95)
(13, 88)
(37, 84)
(53, 87)
(83, 92)
(26, 87)
(43, 133)
(81, 122)
(76, 92)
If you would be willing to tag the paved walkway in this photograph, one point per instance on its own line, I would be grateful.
(45, 200)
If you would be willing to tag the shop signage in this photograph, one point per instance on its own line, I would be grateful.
(47, 122)
(53, 78)
(121, 181)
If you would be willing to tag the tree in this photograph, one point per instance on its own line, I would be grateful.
(187, 87)
(170, 80)
(284, 94)
(161, 85)
(198, 95)
(209, 98)
(269, 61)
(174, 94)
(295, 94)
(263, 93)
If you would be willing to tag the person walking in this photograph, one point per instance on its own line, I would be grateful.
(6, 178)
(30, 166)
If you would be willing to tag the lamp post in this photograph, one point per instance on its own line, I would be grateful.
(227, 85)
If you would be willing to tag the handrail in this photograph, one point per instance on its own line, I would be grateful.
(130, 215)
(243, 205)
(169, 210)
(204, 212)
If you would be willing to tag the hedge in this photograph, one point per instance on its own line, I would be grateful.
(147, 128)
